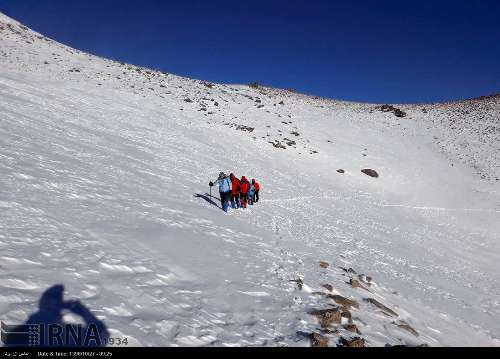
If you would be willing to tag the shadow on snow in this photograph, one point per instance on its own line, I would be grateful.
(208, 198)
(46, 327)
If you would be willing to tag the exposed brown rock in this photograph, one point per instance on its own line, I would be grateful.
(379, 305)
(346, 314)
(324, 264)
(352, 343)
(405, 326)
(347, 303)
(370, 172)
(356, 284)
(351, 328)
(318, 341)
(327, 317)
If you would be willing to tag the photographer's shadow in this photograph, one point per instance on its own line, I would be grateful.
(52, 331)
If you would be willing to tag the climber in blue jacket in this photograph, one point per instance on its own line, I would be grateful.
(224, 184)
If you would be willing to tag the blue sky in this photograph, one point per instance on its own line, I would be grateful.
(383, 51)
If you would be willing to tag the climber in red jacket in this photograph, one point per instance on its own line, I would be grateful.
(244, 188)
(256, 185)
(235, 191)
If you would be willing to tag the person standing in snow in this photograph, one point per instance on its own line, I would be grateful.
(244, 188)
(224, 190)
(256, 186)
(251, 193)
(235, 191)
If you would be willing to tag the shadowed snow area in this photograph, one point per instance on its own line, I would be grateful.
(104, 171)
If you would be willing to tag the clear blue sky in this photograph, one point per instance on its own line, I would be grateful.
(371, 51)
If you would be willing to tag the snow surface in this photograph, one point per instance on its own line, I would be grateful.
(103, 188)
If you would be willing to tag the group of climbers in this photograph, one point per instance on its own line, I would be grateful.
(237, 193)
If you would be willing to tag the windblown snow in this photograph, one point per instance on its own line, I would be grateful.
(104, 171)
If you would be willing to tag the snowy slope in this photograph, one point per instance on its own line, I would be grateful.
(104, 170)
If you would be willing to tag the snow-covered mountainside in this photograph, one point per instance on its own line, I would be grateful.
(104, 171)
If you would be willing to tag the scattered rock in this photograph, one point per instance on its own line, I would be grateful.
(341, 171)
(351, 328)
(356, 284)
(352, 271)
(370, 172)
(386, 108)
(346, 314)
(278, 144)
(295, 133)
(290, 142)
(239, 127)
(352, 343)
(318, 341)
(245, 128)
(347, 303)
(327, 317)
(188, 100)
(379, 305)
(405, 326)
(299, 281)
(397, 112)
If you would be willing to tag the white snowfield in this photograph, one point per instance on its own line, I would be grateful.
(104, 171)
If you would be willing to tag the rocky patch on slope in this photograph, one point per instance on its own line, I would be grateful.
(396, 111)
(341, 322)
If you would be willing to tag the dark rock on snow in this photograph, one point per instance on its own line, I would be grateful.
(381, 306)
(370, 172)
(352, 343)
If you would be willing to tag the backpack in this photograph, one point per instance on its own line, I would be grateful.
(245, 186)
